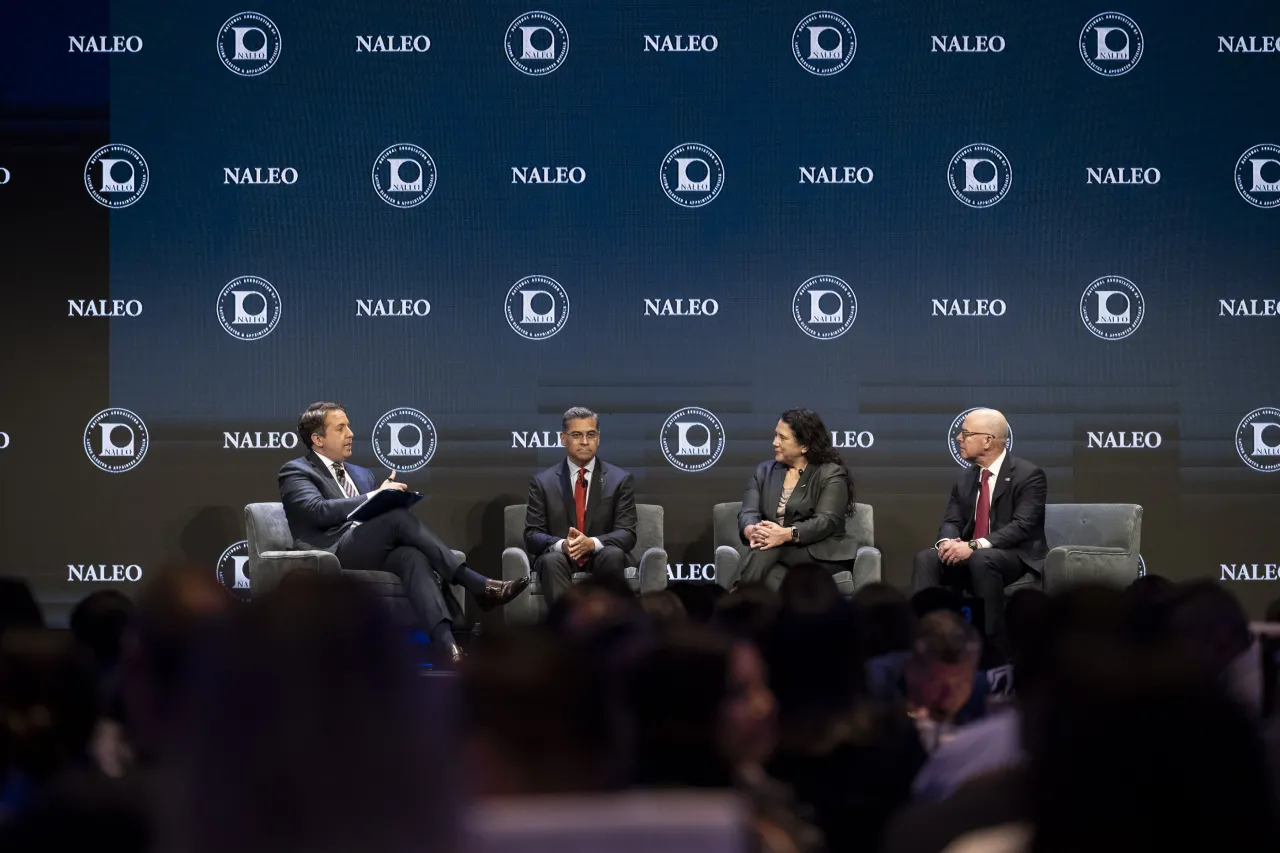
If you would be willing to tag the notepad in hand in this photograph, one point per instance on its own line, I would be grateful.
(383, 501)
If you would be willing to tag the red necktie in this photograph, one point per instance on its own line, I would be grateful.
(982, 521)
(580, 503)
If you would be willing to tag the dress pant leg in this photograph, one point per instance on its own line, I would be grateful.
(990, 571)
(556, 571)
(421, 587)
(367, 545)
(609, 560)
(927, 570)
(788, 557)
(758, 564)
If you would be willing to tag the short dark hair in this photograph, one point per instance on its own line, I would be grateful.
(575, 413)
(945, 637)
(312, 420)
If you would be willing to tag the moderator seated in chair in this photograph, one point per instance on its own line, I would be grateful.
(320, 489)
(272, 556)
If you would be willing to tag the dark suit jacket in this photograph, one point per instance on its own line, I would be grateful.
(313, 503)
(1017, 510)
(816, 507)
(611, 508)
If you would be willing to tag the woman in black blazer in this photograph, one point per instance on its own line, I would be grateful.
(795, 505)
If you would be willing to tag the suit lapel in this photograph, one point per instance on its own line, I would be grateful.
(566, 493)
(365, 476)
(969, 497)
(327, 483)
(595, 492)
(1006, 476)
(773, 492)
(798, 494)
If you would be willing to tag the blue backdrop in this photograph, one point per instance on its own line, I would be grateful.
(961, 181)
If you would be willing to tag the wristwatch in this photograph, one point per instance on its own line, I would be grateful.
(974, 544)
(795, 535)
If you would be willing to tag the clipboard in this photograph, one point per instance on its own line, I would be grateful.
(384, 501)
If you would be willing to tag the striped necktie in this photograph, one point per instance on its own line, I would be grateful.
(344, 482)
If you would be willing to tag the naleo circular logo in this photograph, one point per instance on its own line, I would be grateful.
(692, 439)
(537, 307)
(248, 307)
(116, 176)
(249, 44)
(404, 175)
(404, 440)
(116, 440)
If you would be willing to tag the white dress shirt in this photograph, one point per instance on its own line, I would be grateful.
(994, 468)
(573, 485)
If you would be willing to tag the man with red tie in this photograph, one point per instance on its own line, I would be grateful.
(993, 532)
(582, 511)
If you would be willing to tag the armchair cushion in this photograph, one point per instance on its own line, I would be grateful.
(1088, 543)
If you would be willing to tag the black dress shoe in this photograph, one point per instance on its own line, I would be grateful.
(498, 593)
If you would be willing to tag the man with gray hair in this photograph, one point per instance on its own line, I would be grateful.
(582, 511)
(993, 530)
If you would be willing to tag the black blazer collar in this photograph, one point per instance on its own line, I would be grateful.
(773, 490)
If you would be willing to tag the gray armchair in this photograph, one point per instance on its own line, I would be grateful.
(531, 605)
(730, 549)
(272, 556)
(1088, 543)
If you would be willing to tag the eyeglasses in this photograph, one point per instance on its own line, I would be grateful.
(964, 433)
(579, 436)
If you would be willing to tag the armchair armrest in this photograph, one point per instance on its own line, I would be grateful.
(866, 567)
(1067, 565)
(728, 566)
(459, 594)
(515, 565)
(653, 570)
(269, 569)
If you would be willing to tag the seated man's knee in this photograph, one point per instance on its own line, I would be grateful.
(393, 519)
(403, 555)
(927, 569)
(926, 558)
(611, 558)
(554, 559)
(982, 558)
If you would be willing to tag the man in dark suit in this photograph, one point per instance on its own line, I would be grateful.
(993, 532)
(582, 511)
(318, 491)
